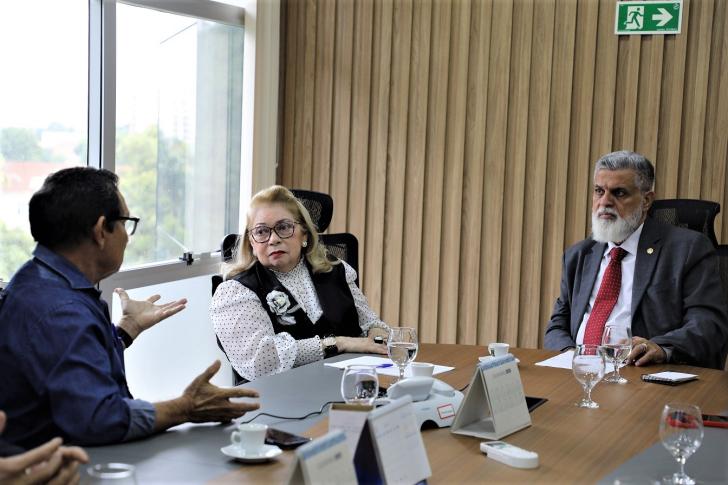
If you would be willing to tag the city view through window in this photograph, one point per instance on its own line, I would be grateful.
(178, 118)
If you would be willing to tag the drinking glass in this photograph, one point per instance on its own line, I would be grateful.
(681, 432)
(402, 347)
(111, 474)
(588, 367)
(359, 384)
(616, 345)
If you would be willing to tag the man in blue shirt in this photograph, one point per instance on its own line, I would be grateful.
(61, 358)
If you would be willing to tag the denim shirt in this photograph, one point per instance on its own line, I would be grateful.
(61, 361)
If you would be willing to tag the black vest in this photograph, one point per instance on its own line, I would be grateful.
(339, 312)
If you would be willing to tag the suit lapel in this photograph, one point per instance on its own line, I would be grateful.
(648, 251)
(592, 261)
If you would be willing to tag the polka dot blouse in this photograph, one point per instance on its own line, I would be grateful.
(246, 332)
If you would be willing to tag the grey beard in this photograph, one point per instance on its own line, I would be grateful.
(615, 231)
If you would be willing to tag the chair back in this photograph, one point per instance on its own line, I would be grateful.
(344, 246)
(318, 204)
(698, 215)
(722, 251)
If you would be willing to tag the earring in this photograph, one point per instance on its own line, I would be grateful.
(305, 243)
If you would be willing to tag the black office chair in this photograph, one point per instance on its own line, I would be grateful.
(698, 215)
(344, 246)
(319, 205)
(722, 251)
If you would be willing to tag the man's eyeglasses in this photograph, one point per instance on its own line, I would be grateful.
(130, 223)
(261, 233)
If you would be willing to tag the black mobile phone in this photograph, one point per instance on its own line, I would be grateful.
(534, 402)
(715, 420)
(284, 439)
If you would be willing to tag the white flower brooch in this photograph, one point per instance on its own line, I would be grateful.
(279, 304)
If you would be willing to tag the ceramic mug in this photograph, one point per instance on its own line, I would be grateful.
(422, 369)
(249, 437)
(498, 349)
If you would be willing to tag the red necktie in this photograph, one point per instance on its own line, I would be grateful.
(606, 297)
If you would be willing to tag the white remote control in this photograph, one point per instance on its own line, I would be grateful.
(509, 455)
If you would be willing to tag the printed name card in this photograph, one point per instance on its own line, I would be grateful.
(495, 405)
(324, 460)
(390, 448)
(350, 419)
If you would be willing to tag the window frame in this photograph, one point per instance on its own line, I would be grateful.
(260, 20)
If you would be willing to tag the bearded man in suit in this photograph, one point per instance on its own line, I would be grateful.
(660, 280)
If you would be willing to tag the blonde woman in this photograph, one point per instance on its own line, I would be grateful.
(286, 303)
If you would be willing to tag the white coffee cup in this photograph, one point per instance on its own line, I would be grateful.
(422, 369)
(497, 349)
(249, 437)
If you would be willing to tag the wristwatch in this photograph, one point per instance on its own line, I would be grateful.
(329, 345)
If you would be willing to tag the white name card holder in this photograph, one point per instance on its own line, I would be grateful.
(495, 405)
(325, 460)
(390, 449)
(350, 419)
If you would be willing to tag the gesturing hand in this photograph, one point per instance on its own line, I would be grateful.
(49, 463)
(140, 315)
(207, 402)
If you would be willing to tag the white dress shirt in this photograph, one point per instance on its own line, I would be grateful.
(246, 332)
(622, 311)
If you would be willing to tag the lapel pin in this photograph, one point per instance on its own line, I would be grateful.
(650, 250)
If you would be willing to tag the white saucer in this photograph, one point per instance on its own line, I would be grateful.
(486, 358)
(264, 453)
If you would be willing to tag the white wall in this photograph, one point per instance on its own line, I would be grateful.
(164, 359)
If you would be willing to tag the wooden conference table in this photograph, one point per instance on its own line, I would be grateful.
(574, 445)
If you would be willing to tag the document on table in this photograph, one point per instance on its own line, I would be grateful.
(384, 366)
(563, 361)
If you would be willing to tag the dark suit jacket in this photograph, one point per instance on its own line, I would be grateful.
(677, 298)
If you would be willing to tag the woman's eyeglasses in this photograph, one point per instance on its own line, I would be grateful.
(284, 229)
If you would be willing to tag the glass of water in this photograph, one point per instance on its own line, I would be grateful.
(681, 432)
(359, 384)
(616, 345)
(111, 474)
(402, 347)
(588, 367)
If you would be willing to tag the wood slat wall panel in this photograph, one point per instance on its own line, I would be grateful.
(558, 164)
(415, 169)
(396, 162)
(360, 111)
(325, 35)
(458, 139)
(434, 171)
(340, 138)
(473, 169)
(536, 154)
(579, 187)
(513, 209)
(378, 140)
(453, 183)
(489, 328)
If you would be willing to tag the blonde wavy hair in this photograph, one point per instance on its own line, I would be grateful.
(315, 253)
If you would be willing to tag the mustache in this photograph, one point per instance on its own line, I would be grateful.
(607, 210)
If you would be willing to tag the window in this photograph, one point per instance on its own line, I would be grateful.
(150, 89)
(178, 130)
(43, 100)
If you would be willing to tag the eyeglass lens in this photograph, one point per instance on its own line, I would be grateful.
(262, 233)
(130, 226)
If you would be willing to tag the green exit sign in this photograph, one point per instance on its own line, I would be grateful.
(638, 18)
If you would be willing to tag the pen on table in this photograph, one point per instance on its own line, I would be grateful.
(382, 366)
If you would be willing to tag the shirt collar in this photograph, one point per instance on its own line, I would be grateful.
(629, 244)
(64, 268)
(296, 269)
